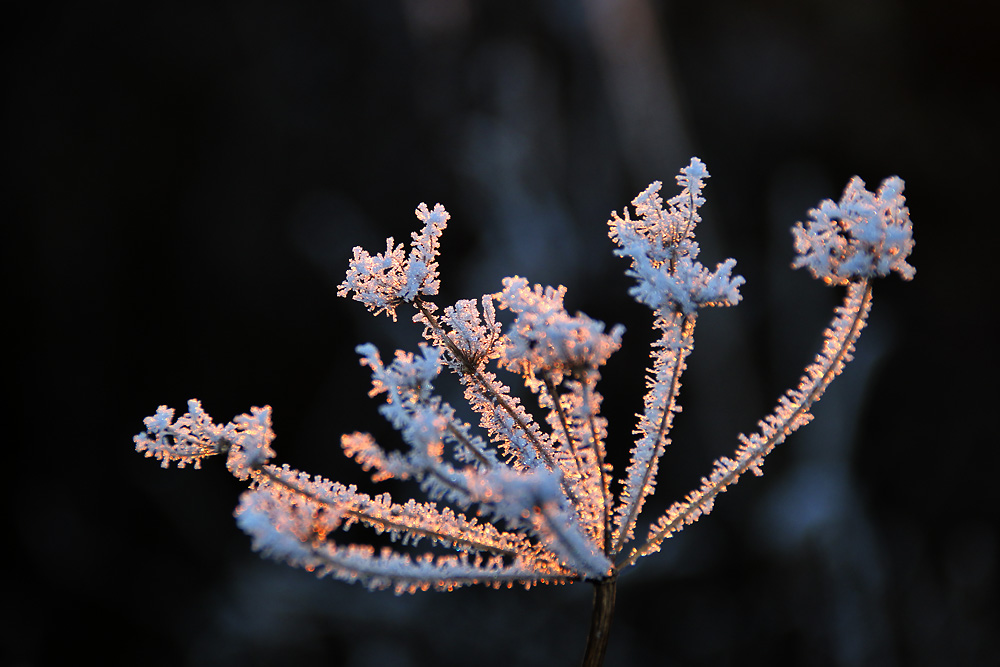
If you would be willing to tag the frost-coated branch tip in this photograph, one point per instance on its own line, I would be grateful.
(863, 235)
(663, 251)
(383, 281)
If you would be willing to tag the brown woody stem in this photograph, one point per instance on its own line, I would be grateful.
(600, 621)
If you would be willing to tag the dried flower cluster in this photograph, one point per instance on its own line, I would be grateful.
(518, 502)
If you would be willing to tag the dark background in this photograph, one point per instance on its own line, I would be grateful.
(185, 182)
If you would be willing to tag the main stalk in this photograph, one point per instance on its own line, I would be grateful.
(600, 621)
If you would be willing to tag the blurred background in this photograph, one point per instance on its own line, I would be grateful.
(185, 182)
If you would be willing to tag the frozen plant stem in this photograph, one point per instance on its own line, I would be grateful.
(600, 621)
(546, 491)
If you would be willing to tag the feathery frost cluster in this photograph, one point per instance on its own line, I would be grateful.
(516, 501)
(864, 235)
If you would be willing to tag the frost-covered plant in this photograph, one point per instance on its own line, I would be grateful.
(534, 503)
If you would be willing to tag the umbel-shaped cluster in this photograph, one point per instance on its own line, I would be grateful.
(515, 501)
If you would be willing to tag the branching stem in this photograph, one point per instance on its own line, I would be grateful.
(666, 421)
(704, 499)
(271, 474)
(473, 371)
